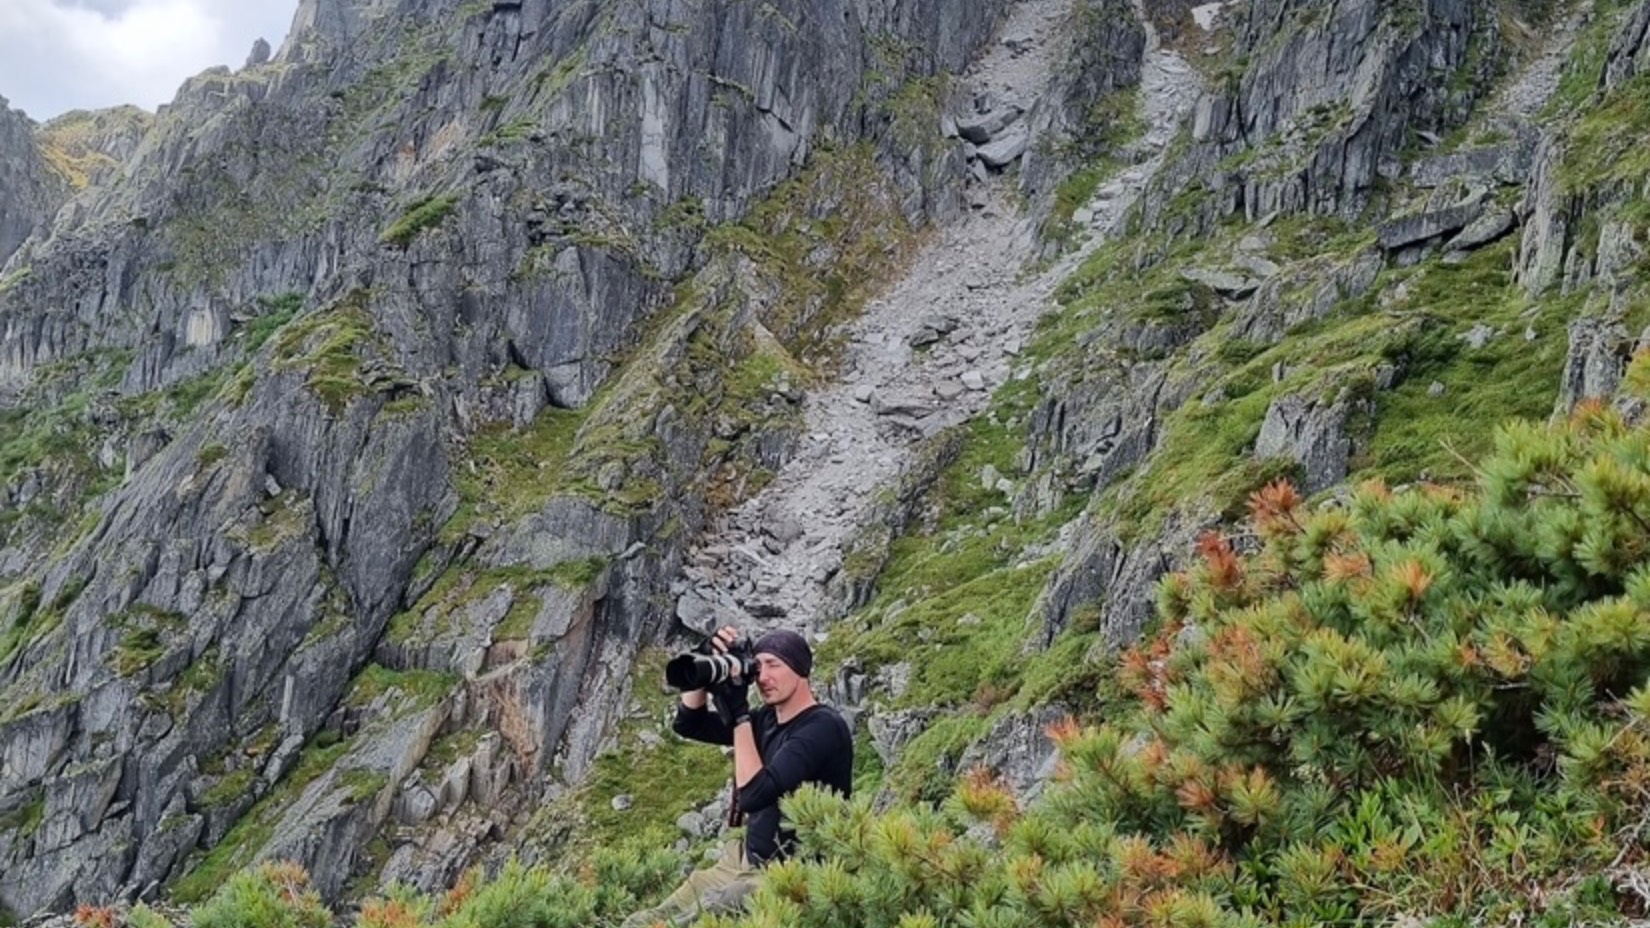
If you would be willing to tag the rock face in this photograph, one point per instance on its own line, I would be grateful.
(420, 221)
(1576, 236)
(1331, 98)
(30, 191)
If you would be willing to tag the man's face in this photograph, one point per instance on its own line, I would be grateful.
(776, 681)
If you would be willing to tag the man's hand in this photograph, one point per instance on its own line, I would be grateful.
(723, 640)
(732, 702)
(719, 642)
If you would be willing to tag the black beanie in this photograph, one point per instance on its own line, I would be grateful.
(789, 647)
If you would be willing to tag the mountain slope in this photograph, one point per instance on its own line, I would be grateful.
(370, 458)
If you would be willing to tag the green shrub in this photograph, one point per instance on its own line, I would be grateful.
(271, 895)
(600, 890)
(1430, 703)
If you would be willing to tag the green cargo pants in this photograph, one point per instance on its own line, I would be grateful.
(721, 887)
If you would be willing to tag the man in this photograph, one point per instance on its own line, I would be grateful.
(791, 740)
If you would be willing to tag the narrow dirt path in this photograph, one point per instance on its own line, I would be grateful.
(923, 357)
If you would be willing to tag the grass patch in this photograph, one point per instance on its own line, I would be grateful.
(424, 687)
(1579, 80)
(26, 820)
(275, 312)
(1419, 436)
(1605, 146)
(328, 346)
(663, 780)
(231, 787)
(427, 213)
(925, 769)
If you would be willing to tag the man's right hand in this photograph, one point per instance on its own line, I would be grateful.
(724, 638)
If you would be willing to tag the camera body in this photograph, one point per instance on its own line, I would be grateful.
(706, 667)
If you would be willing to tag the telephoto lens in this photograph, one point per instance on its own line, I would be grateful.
(700, 671)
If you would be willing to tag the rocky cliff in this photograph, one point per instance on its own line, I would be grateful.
(32, 191)
(370, 410)
(329, 345)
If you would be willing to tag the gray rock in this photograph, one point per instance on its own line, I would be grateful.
(1597, 359)
(415, 806)
(1479, 336)
(1312, 433)
(1019, 751)
(259, 55)
(30, 191)
(891, 731)
(622, 802)
(1006, 148)
(1256, 265)
(1506, 163)
(981, 128)
(989, 476)
(1411, 230)
(1225, 283)
(691, 822)
(1487, 228)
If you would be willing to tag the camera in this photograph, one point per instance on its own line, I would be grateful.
(705, 667)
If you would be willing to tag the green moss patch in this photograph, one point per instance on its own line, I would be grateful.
(423, 687)
(329, 346)
(425, 214)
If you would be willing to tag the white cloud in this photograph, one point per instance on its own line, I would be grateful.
(56, 57)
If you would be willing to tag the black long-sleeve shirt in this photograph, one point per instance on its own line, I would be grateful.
(813, 747)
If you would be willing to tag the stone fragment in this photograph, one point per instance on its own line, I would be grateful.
(974, 380)
(981, 128)
(989, 475)
(1485, 229)
(259, 54)
(1256, 265)
(1312, 433)
(1004, 149)
(906, 410)
(691, 822)
(1411, 230)
(1478, 336)
(623, 802)
(1225, 283)
(948, 390)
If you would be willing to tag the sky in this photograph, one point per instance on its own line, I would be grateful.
(59, 55)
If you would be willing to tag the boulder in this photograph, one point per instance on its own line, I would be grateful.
(1003, 150)
(1414, 229)
(1312, 433)
(981, 128)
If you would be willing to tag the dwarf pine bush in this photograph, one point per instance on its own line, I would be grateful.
(270, 895)
(1431, 702)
